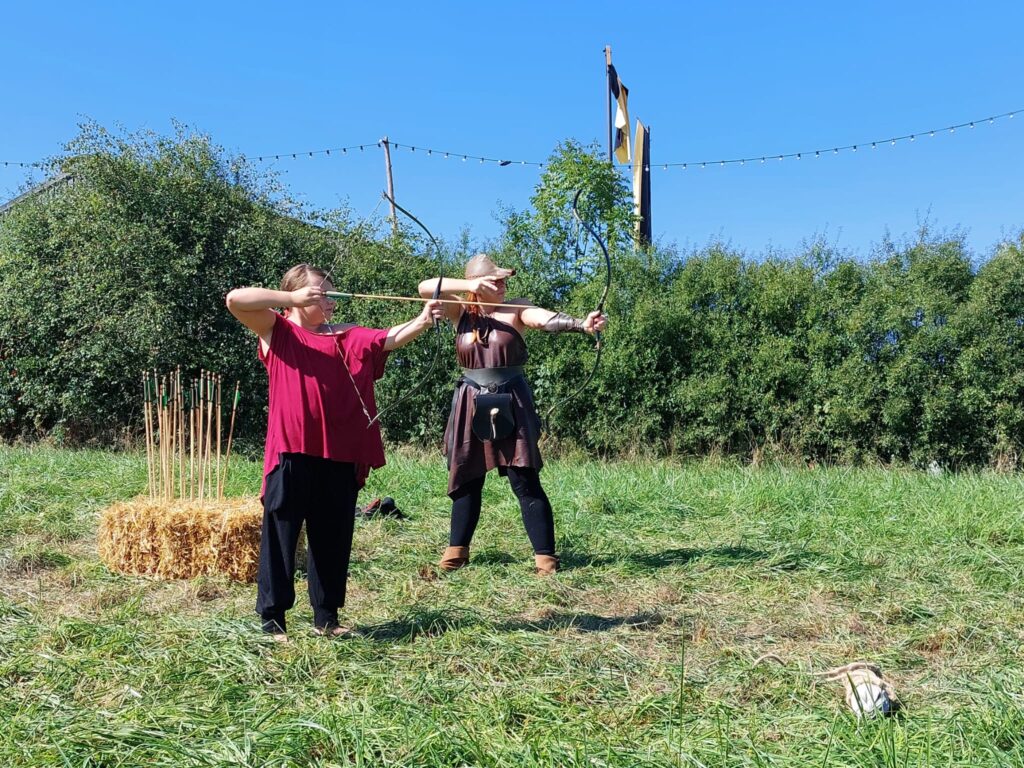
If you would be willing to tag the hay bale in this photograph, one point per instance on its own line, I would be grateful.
(182, 539)
(238, 548)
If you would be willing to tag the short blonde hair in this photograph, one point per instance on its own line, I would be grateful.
(300, 276)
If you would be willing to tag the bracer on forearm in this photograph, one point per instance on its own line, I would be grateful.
(563, 323)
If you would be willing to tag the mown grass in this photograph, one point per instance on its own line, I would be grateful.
(639, 653)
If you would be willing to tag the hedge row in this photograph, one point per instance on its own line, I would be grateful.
(916, 355)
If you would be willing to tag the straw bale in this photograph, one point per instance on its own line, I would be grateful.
(238, 546)
(181, 539)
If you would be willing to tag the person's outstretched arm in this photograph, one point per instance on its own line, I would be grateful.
(541, 319)
(405, 332)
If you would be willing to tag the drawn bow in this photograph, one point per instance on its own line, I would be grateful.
(437, 323)
(599, 308)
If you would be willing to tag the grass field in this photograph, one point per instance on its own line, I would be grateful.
(640, 653)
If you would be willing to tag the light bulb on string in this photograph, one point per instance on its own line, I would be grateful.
(913, 137)
(854, 147)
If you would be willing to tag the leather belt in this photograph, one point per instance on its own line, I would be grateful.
(490, 379)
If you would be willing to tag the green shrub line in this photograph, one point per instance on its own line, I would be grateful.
(915, 355)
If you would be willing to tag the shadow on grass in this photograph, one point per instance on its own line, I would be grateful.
(494, 557)
(420, 623)
(434, 623)
(684, 555)
(723, 555)
(583, 622)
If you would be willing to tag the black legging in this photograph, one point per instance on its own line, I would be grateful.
(533, 503)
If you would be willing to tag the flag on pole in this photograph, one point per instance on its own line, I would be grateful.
(642, 183)
(620, 93)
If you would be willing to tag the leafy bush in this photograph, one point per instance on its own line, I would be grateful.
(914, 356)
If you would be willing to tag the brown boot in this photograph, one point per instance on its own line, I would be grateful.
(454, 558)
(547, 565)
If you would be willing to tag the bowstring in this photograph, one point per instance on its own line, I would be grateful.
(330, 327)
(546, 423)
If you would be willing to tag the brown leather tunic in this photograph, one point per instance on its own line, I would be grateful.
(469, 458)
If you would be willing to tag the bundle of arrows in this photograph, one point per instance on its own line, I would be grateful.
(184, 435)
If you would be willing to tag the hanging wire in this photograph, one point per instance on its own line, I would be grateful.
(836, 150)
(503, 162)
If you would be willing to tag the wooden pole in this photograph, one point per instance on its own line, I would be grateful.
(168, 438)
(391, 185)
(608, 94)
(158, 463)
(209, 433)
(149, 434)
(193, 413)
(162, 432)
(231, 432)
(219, 430)
(172, 444)
(181, 434)
(201, 470)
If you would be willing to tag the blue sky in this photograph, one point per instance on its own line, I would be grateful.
(713, 81)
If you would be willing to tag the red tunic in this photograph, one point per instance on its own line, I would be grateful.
(314, 408)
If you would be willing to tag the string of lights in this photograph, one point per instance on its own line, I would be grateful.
(314, 152)
(465, 157)
(892, 141)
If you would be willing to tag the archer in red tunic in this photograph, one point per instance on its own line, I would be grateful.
(321, 438)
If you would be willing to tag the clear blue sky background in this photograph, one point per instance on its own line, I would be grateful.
(713, 80)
